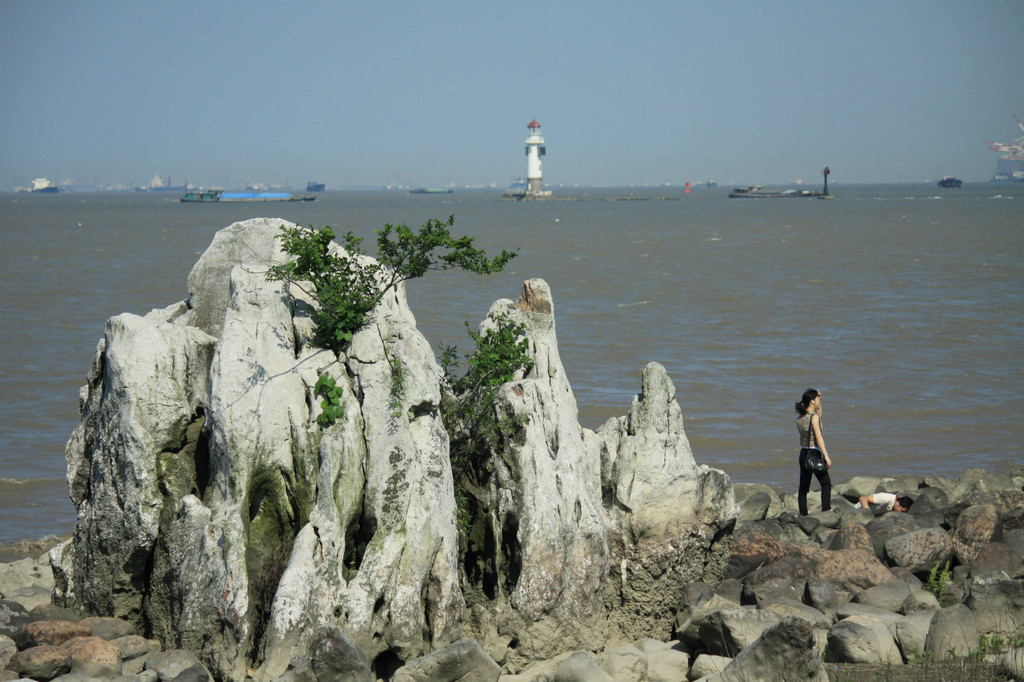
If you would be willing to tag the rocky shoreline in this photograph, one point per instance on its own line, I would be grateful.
(804, 594)
(227, 526)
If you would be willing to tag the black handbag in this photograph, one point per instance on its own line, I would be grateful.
(814, 461)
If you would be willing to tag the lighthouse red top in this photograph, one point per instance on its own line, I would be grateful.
(533, 124)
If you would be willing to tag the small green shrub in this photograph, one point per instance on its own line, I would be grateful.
(938, 579)
(331, 407)
(397, 386)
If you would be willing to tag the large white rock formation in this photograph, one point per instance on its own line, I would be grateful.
(217, 514)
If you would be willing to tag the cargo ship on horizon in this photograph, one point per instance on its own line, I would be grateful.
(40, 186)
(1010, 166)
(162, 184)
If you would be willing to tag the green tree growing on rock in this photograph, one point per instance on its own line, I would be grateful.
(468, 409)
(347, 287)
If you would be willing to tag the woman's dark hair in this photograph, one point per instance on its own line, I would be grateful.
(905, 501)
(805, 401)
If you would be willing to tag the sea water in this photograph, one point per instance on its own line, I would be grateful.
(903, 304)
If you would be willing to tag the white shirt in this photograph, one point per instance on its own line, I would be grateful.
(887, 500)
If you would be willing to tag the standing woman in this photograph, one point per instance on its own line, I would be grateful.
(808, 423)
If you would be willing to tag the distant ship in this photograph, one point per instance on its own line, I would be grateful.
(950, 181)
(758, 191)
(195, 196)
(1010, 167)
(430, 190)
(161, 184)
(43, 186)
(265, 196)
(517, 190)
(312, 186)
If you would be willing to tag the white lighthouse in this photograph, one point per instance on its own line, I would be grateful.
(534, 150)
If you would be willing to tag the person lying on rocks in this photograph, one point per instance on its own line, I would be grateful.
(886, 501)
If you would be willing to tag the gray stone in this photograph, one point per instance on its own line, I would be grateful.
(7, 649)
(1015, 539)
(920, 600)
(193, 673)
(997, 560)
(626, 664)
(825, 595)
(51, 611)
(863, 610)
(907, 577)
(755, 507)
(689, 618)
(912, 631)
(730, 589)
(953, 632)
(997, 605)
(133, 646)
(109, 628)
(581, 666)
(862, 639)
(930, 506)
(465, 660)
(173, 662)
(746, 490)
(977, 480)
(771, 590)
(142, 676)
(25, 577)
(727, 632)
(300, 669)
(667, 665)
(336, 657)
(30, 597)
(859, 486)
(785, 651)
(786, 607)
(887, 596)
(708, 664)
(13, 618)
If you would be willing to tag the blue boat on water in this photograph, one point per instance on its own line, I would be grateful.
(208, 195)
(256, 196)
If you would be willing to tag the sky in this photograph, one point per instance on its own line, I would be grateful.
(417, 93)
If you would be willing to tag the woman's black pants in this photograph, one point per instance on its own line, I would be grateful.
(805, 485)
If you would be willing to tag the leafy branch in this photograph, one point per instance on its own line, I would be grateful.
(469, 407)
(348, 286)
